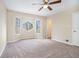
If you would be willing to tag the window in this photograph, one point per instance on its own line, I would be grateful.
(17, 26)
(27, 25)
(37, 26)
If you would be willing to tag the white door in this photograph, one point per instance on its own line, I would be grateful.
(75, 28)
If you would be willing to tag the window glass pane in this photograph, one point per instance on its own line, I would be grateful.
(38, 26)
(17, 26)
(27, 26)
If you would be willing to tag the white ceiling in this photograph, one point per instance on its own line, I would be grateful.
(27, 7)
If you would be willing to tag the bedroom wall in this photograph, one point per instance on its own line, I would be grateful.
(2, 27)
(49, 28)
(62, 25)
(24, 17)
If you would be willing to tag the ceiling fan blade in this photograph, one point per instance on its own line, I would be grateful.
(40, 8)
(55, 2)
(49, 8)
(37, 4)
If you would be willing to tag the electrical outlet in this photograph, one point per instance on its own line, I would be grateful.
(67, 40)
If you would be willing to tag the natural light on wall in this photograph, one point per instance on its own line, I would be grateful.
(49, 28)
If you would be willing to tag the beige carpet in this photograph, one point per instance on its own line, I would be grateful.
(38, 48)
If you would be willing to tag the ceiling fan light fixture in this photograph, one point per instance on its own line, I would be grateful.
(47, 3)
(45, 6)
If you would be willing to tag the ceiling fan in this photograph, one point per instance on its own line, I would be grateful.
(47, 3)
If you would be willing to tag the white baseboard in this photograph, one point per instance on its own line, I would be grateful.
(2, 50)
(13, 41)
(18, 40)
(64, 42)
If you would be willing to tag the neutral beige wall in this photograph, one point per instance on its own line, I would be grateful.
(2, 27)
(49, 29)
(23, 35)
(62, 25)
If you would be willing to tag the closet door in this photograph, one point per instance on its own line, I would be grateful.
(75, 28)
